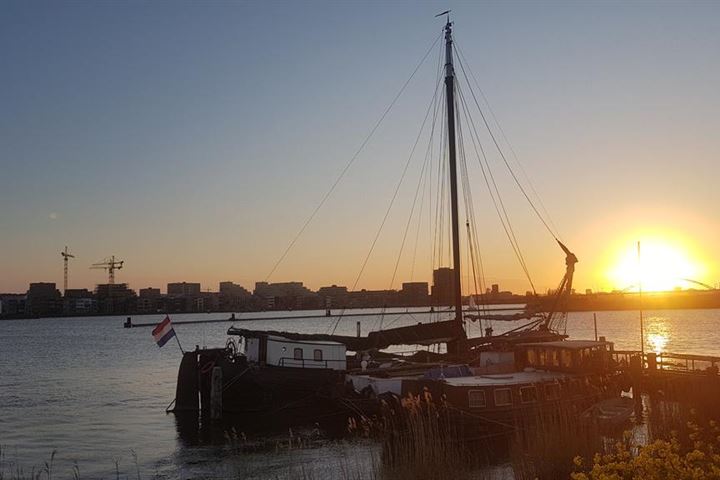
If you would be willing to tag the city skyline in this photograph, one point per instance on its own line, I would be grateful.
(184, 149)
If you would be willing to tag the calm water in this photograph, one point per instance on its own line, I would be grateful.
(95, 391)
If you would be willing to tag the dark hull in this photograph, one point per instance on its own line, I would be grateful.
(255, 389)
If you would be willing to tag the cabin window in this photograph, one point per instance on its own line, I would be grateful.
(503, 396)
(317, 355)
(552, 391)
(528, 394)
(566, 356)
(298, 354)
(543, 357)
(555, 355)
(476, 399)
(532, 356)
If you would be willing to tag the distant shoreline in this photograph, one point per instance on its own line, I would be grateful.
(681, 300)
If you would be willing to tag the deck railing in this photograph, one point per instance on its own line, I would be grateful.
(310, 363)
(682, 362)
(667, 361)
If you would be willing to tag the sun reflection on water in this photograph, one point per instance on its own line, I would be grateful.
(657, 341)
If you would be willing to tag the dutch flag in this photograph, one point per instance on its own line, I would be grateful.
(163, 332)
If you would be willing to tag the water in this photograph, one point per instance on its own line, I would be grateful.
(96, 392)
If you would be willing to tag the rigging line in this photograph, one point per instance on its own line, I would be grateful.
(507, 228)
(417, 189)
(428, 157)
(423, 179)
(439, 203)
(351, 161)
(419, 225)
(392, 200)
(502, 155)
(514, 242)
(470, 207)
(496, 197)
(469, 204)
(507, 141)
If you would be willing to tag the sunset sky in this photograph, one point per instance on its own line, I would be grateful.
(192, 140)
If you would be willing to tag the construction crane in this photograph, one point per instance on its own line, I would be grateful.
(109, 264)
(66, 255)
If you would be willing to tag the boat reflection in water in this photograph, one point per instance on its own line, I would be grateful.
(253, 432)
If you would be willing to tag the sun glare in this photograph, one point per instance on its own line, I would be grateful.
(661, 266)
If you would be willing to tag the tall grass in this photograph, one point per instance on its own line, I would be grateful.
(13, 470)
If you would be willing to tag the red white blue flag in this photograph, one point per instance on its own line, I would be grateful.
(163, 332)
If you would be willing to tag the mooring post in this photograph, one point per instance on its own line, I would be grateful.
(595, 323)
(216, 394)
(358, 329)
(652, 362)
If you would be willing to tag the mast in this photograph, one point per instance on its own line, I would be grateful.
(450, 97)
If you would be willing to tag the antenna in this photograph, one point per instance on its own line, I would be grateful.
(446, 12)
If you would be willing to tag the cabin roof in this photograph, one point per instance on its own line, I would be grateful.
(278, 338)
(515, 378)
(569, 344)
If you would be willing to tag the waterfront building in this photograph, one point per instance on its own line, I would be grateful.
(12, 304)
(149, 300)
(79, 301)
(233, 296)
(373, 298)
(183, 289)
(443, 289)
(43, 299)
(333, 296)
(286, 295)
(414, 294)
(115, 298)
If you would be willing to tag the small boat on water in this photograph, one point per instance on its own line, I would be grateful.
(492, 377)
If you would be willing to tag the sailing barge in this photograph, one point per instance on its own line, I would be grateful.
(532, 366)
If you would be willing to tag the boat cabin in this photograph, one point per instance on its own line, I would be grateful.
(570, 356)
(283, 352)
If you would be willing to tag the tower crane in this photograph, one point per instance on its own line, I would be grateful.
(109, 264)
(66, 255)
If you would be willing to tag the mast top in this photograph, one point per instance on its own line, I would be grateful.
(448, 24)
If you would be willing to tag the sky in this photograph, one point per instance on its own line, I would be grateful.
(194, 139)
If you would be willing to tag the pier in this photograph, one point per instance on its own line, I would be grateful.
(692, 380)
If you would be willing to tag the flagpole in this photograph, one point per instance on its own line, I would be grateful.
(178, 342)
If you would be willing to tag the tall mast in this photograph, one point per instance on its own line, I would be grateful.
(450, 97)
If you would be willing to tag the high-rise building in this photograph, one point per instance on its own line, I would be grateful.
(443, 289)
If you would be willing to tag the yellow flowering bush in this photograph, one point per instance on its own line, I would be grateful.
(694, 457)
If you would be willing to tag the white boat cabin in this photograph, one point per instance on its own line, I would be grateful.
(283, 352)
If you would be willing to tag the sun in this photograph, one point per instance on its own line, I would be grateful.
(661, 266)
